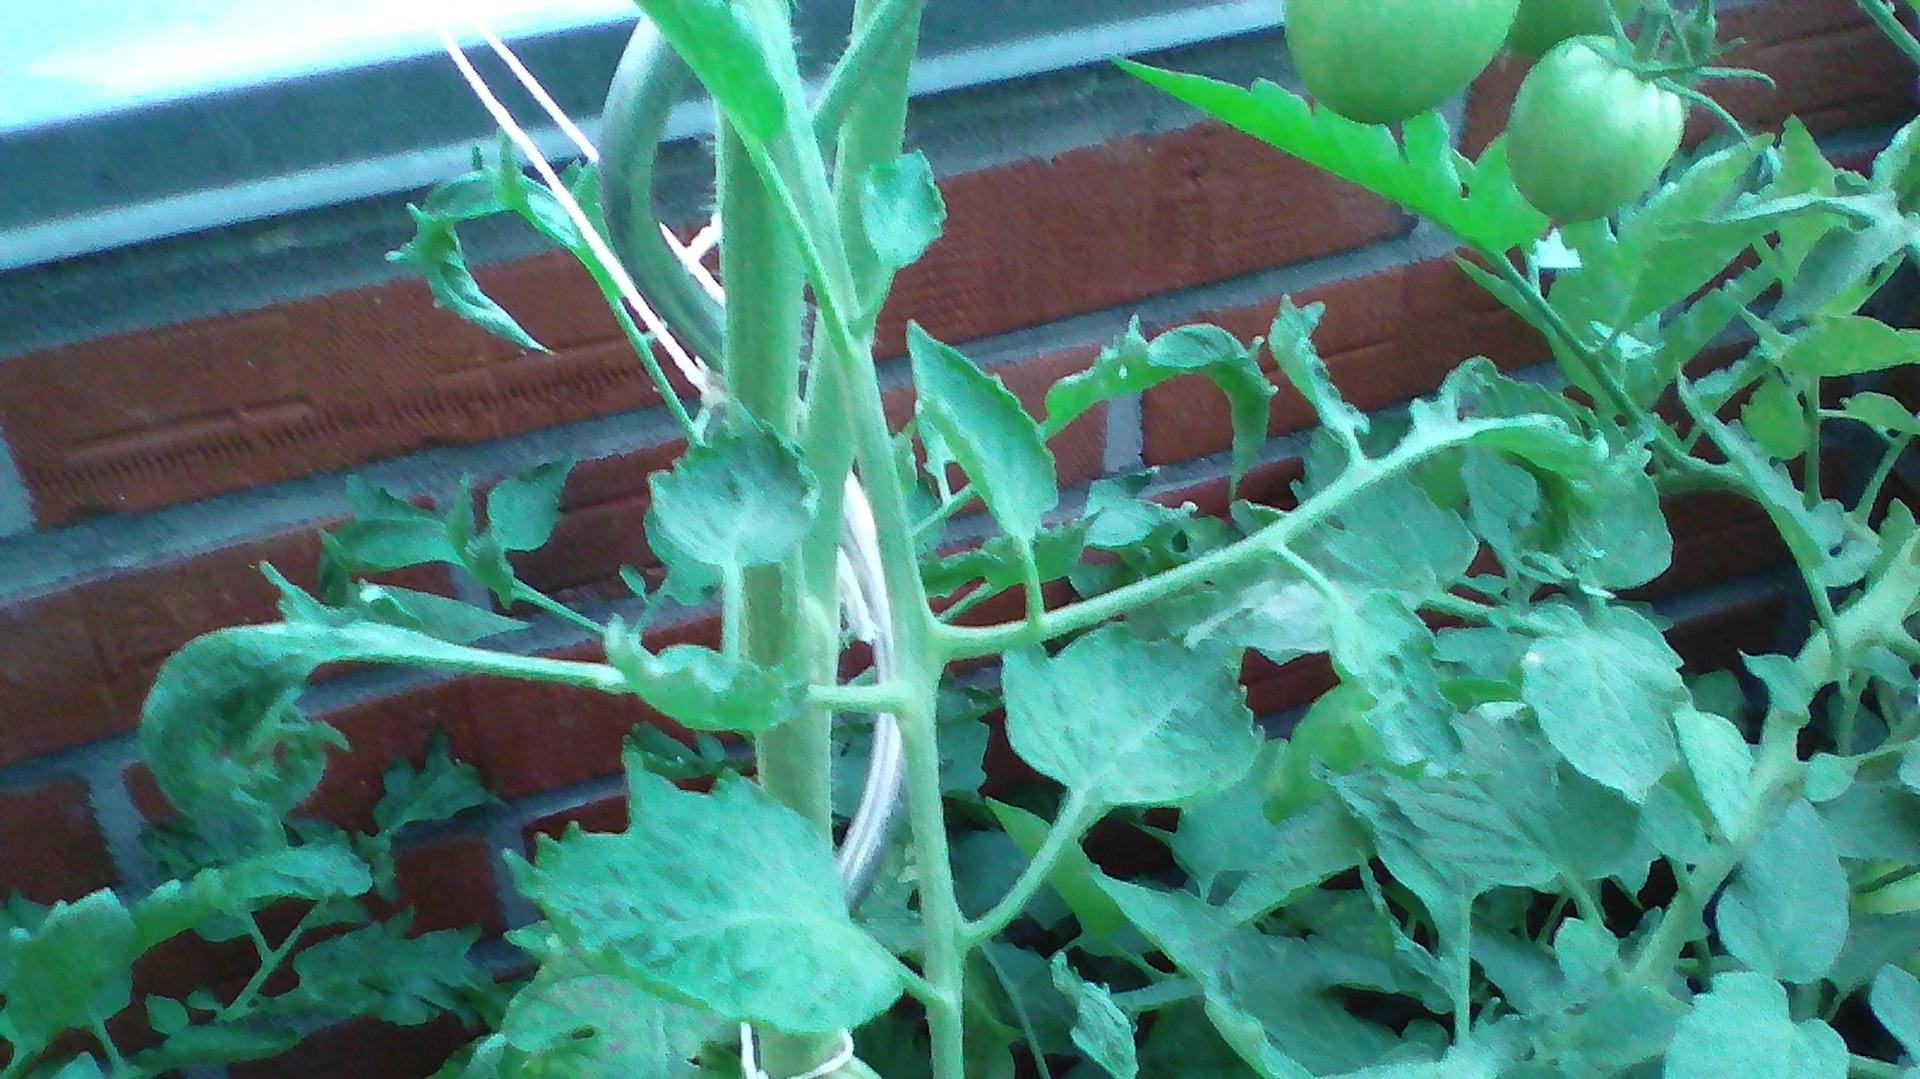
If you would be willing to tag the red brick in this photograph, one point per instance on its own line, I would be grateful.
(448, 882)
(50, 847)
(380, 731)
(53, 692)
(163, 416)
(140, 617)
(1274, 688)
(1104, 225)
(1385, 337)
(1831, 68)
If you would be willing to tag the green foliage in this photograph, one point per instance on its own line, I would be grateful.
(703, 900)
(980, 424)
(1421, 171)
(1515, 838)
(901, 209)
(1133, 364)
(740, 499)
(1087, 719)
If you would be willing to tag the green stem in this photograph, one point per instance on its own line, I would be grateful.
(1035, 594)
(1871, 496)
(881, 31)
(765, 318)
(1812, 406)
(643, 348)
(1077, 814)
(949, 505)
(526, 593)
(968, 602)
(871, 699)
(649, 82)
(1584, 899)
(968, 642)
(1889, 24)
(116, 1062)
(939, 908)
(1617, 397)
(269, 963)
(463, 660)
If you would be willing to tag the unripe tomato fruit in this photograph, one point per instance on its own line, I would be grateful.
(1382, 61)
(1542, 24)
(1587, 135)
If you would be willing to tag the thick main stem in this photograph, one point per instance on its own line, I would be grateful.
(765, 314)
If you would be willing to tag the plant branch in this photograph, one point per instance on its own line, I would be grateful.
(1777, 767)
(870, 699)
(968, 642)
(1077, 814)
(885, 27)
(1871, 496)
(526, 593)
(269, 964)
(1889, 24)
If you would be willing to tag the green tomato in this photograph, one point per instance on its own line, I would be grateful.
(1542, 24)
(1382, 61)
(1587, 136)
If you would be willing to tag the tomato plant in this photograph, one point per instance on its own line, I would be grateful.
(1542, 24)
(1517, 839)
(1383, 61)
(1588, 134)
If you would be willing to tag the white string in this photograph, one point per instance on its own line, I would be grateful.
(750, 1068)
(688, 254)
(539, 92)
(691, 368)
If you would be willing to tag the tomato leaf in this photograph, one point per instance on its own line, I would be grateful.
(901, 209)
(708, 899)
(1851, 345)
(1774, 419)
(742, 498)
(702, 689)
(522, 510)
(1895, 998)
(74, 970)
(1604, 688)
(1742, 1027)
(1475, 201)
(989, 435)
(1291, 343)
(1100, 1029)
(1879, 410)
(1123, 721)
(435, 254)
(1784, 913)
(1133, 364)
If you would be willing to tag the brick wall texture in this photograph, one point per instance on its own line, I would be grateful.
(112, 435)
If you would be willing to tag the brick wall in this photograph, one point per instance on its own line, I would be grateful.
(162, 465)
